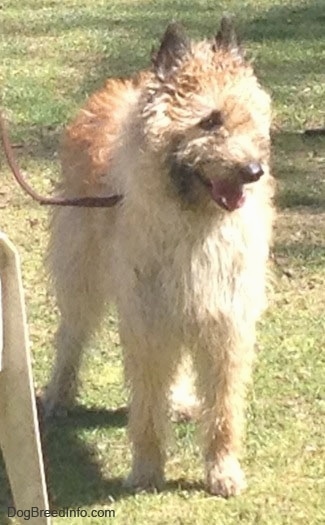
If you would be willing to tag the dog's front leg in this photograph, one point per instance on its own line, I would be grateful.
(148, 373)
(223, 367)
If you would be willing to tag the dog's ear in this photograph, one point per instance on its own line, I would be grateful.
(226, 37)
(173, 47)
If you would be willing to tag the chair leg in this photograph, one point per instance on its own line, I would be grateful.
(19, 432)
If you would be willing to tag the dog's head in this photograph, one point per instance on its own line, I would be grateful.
(207, 118)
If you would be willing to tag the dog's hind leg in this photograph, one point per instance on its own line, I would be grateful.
(183, 400)
(223, 366)
(75, 267)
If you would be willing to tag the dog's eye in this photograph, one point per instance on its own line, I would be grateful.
(212, 122)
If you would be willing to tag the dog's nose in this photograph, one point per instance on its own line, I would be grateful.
(251, 172)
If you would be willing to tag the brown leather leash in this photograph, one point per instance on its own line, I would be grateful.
(89, 202)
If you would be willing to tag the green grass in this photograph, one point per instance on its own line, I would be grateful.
(52, 55)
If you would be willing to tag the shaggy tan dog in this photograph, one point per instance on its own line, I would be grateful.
(183, 255)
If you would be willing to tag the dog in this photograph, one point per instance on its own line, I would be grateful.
(183, 255)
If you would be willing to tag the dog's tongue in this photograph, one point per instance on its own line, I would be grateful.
(228, 194)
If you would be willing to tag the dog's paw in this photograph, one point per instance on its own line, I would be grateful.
(225, 477)
(145, 479)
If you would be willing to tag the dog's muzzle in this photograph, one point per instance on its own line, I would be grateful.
(229, 193)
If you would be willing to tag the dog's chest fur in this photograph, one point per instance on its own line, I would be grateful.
(179, 272)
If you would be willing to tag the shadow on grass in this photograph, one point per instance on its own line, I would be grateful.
(70, 459)
(73, 472)
(286, 22)
(84, 417)
(299, 170)
(277, 23)
(74, 475)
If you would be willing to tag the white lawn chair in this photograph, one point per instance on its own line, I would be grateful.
(19, 432)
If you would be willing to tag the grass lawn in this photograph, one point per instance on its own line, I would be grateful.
(54, 53)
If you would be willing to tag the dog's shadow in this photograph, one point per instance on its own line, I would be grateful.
(74, 474)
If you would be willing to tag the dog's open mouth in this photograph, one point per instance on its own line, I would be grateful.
(229, 194)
